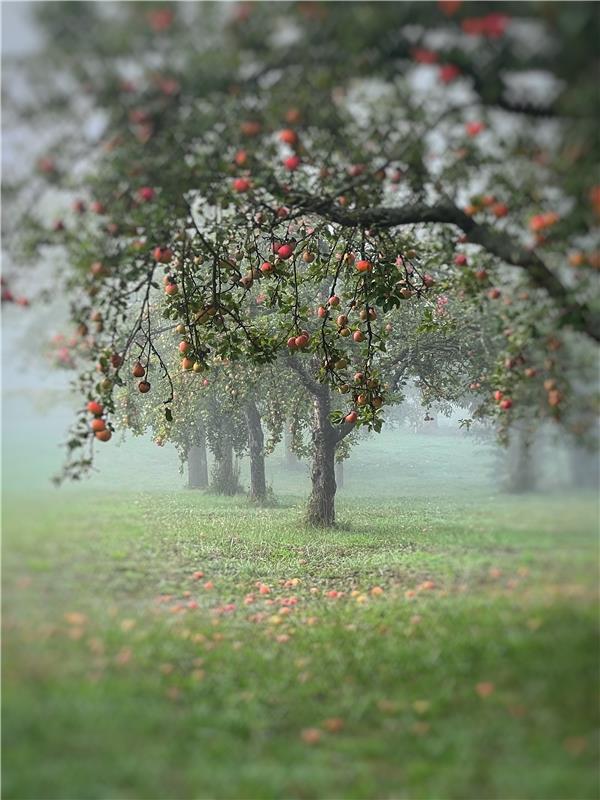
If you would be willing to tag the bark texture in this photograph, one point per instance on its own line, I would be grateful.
(321, 504)
(256, 443)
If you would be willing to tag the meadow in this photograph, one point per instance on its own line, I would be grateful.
(163, 643)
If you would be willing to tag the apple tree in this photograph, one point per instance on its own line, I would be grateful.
(251, 161)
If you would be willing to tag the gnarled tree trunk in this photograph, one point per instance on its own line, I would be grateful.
(326, 437)
(256, 443)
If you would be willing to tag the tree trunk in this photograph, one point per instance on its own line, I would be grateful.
(585, 468)
(321, 504)
(197, 466)
(521, 471)
(224, 477)
(339, 474)
(256, 443)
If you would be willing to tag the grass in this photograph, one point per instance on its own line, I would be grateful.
(470, 671)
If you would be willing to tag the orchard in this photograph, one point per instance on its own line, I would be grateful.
(281, 238)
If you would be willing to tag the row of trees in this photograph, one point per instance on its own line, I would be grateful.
(357, 195)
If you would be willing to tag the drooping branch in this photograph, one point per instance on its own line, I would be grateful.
(495, 242)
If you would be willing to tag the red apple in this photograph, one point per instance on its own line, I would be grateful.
(146, 194)
(288, 136)
(285, 250)
(162, 254)
(241, 184)
(291, 163)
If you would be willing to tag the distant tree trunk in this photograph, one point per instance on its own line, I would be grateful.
(585, 468)
(224, 476)
(256, 443)
(521, 469)
(339, 474)
(197, 466)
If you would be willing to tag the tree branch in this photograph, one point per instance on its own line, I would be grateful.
(499, 244)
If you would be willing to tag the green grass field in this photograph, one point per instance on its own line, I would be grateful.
(460, 660)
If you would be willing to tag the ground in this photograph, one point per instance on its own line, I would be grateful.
(439, 643)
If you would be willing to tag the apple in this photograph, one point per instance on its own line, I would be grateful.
(171, 289)
(144, 387)
(285, 250)
(184, 347)
(342, 321)
(554, 397)
(499, 210)
(187, 363)
(138, 370)
(345, 331)
(362, 400)
(95, 408)
(359, 377)
(358, 336)
(250, 128)
(481, 274)
(266, 267)
(103, 435)
(321, 312)
(474, 128)
(377, 402)
(241, 185)
(116, 360)
(494, 293)
(308, 257)
(97, 208)
(240, 158)
(291, 163)
(460, 260)
(498, 395)
(334, 300)
(97, 424)
(291, 343)
(506, 404)
(302, 340)
(364, 266)
(288, 136)
(351, 417)
(146, 194)
(162, 254)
